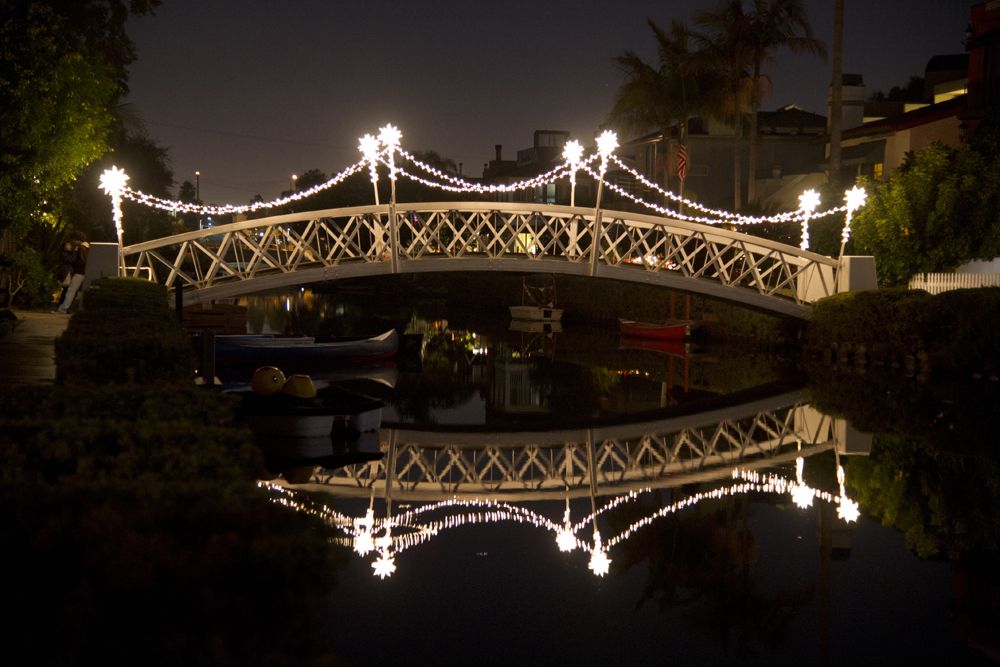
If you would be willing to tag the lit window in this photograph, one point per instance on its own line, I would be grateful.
(877, 169)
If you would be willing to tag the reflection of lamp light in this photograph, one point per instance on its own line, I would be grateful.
(802, 495)
(565, 538)
(847, 509)
(384, 566)
(600, 564)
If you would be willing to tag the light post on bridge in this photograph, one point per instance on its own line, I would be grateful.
(607, 142)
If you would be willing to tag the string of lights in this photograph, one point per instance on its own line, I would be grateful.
(383, 149)
(719, 215)
(175, 206)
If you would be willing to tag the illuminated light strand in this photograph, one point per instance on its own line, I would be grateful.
(456, 184)
(720, 216)
(615, 502)
(175, 206)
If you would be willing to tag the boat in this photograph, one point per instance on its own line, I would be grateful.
(274, 349)
(537, 304)
(332, 412)
(670, 330)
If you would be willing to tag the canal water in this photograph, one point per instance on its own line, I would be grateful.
(555, 494)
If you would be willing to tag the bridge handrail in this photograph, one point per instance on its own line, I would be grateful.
(610, 216)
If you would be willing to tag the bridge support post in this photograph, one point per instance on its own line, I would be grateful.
(596, 244)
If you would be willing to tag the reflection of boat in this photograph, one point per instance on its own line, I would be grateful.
(277, 349)
(676, 348)
(536, 313)
(670, 330)
(332, 412)
(535, 326)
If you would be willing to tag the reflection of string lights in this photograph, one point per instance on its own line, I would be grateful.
(410, 532)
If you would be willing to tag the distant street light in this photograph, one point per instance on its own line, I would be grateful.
(197, 186)
(292, 183)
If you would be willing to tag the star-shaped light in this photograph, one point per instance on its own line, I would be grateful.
(113, 181)
(802, 495)
(573, 152)
(566, 540)
(384, 566)
(368, 145)
(848, 510)
(389, 136)
(808, 201)
(855, 198)
(607, 142)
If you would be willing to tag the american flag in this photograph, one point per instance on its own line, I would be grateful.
(682, 162)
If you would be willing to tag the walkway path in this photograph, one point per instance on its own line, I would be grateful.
(27, 356)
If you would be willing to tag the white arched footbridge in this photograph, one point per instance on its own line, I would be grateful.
(697, 251)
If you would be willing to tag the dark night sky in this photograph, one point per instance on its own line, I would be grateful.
(249, 92)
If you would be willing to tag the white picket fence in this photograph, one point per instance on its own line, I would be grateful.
(935, 283)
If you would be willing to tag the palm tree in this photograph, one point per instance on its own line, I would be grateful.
(727, 49)
(773, 25)
(661, 95)
(836, 93)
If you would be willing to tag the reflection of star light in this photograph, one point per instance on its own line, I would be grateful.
(847, 510)
(363, 543)
(802, 495)
(566, 540)
(384, 566)
(599, 561)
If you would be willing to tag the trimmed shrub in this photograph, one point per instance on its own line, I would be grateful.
(125, 333)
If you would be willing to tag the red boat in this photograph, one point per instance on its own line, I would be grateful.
(670, 330)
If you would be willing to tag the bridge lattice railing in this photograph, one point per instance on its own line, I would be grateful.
(283, 250)
(651, 453)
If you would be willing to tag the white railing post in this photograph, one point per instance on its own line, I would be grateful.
(389, 137)
(606, 144)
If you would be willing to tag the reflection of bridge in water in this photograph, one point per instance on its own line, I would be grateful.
(423, 465)
(463, 479)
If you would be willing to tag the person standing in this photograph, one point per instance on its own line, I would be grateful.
(78, 255)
